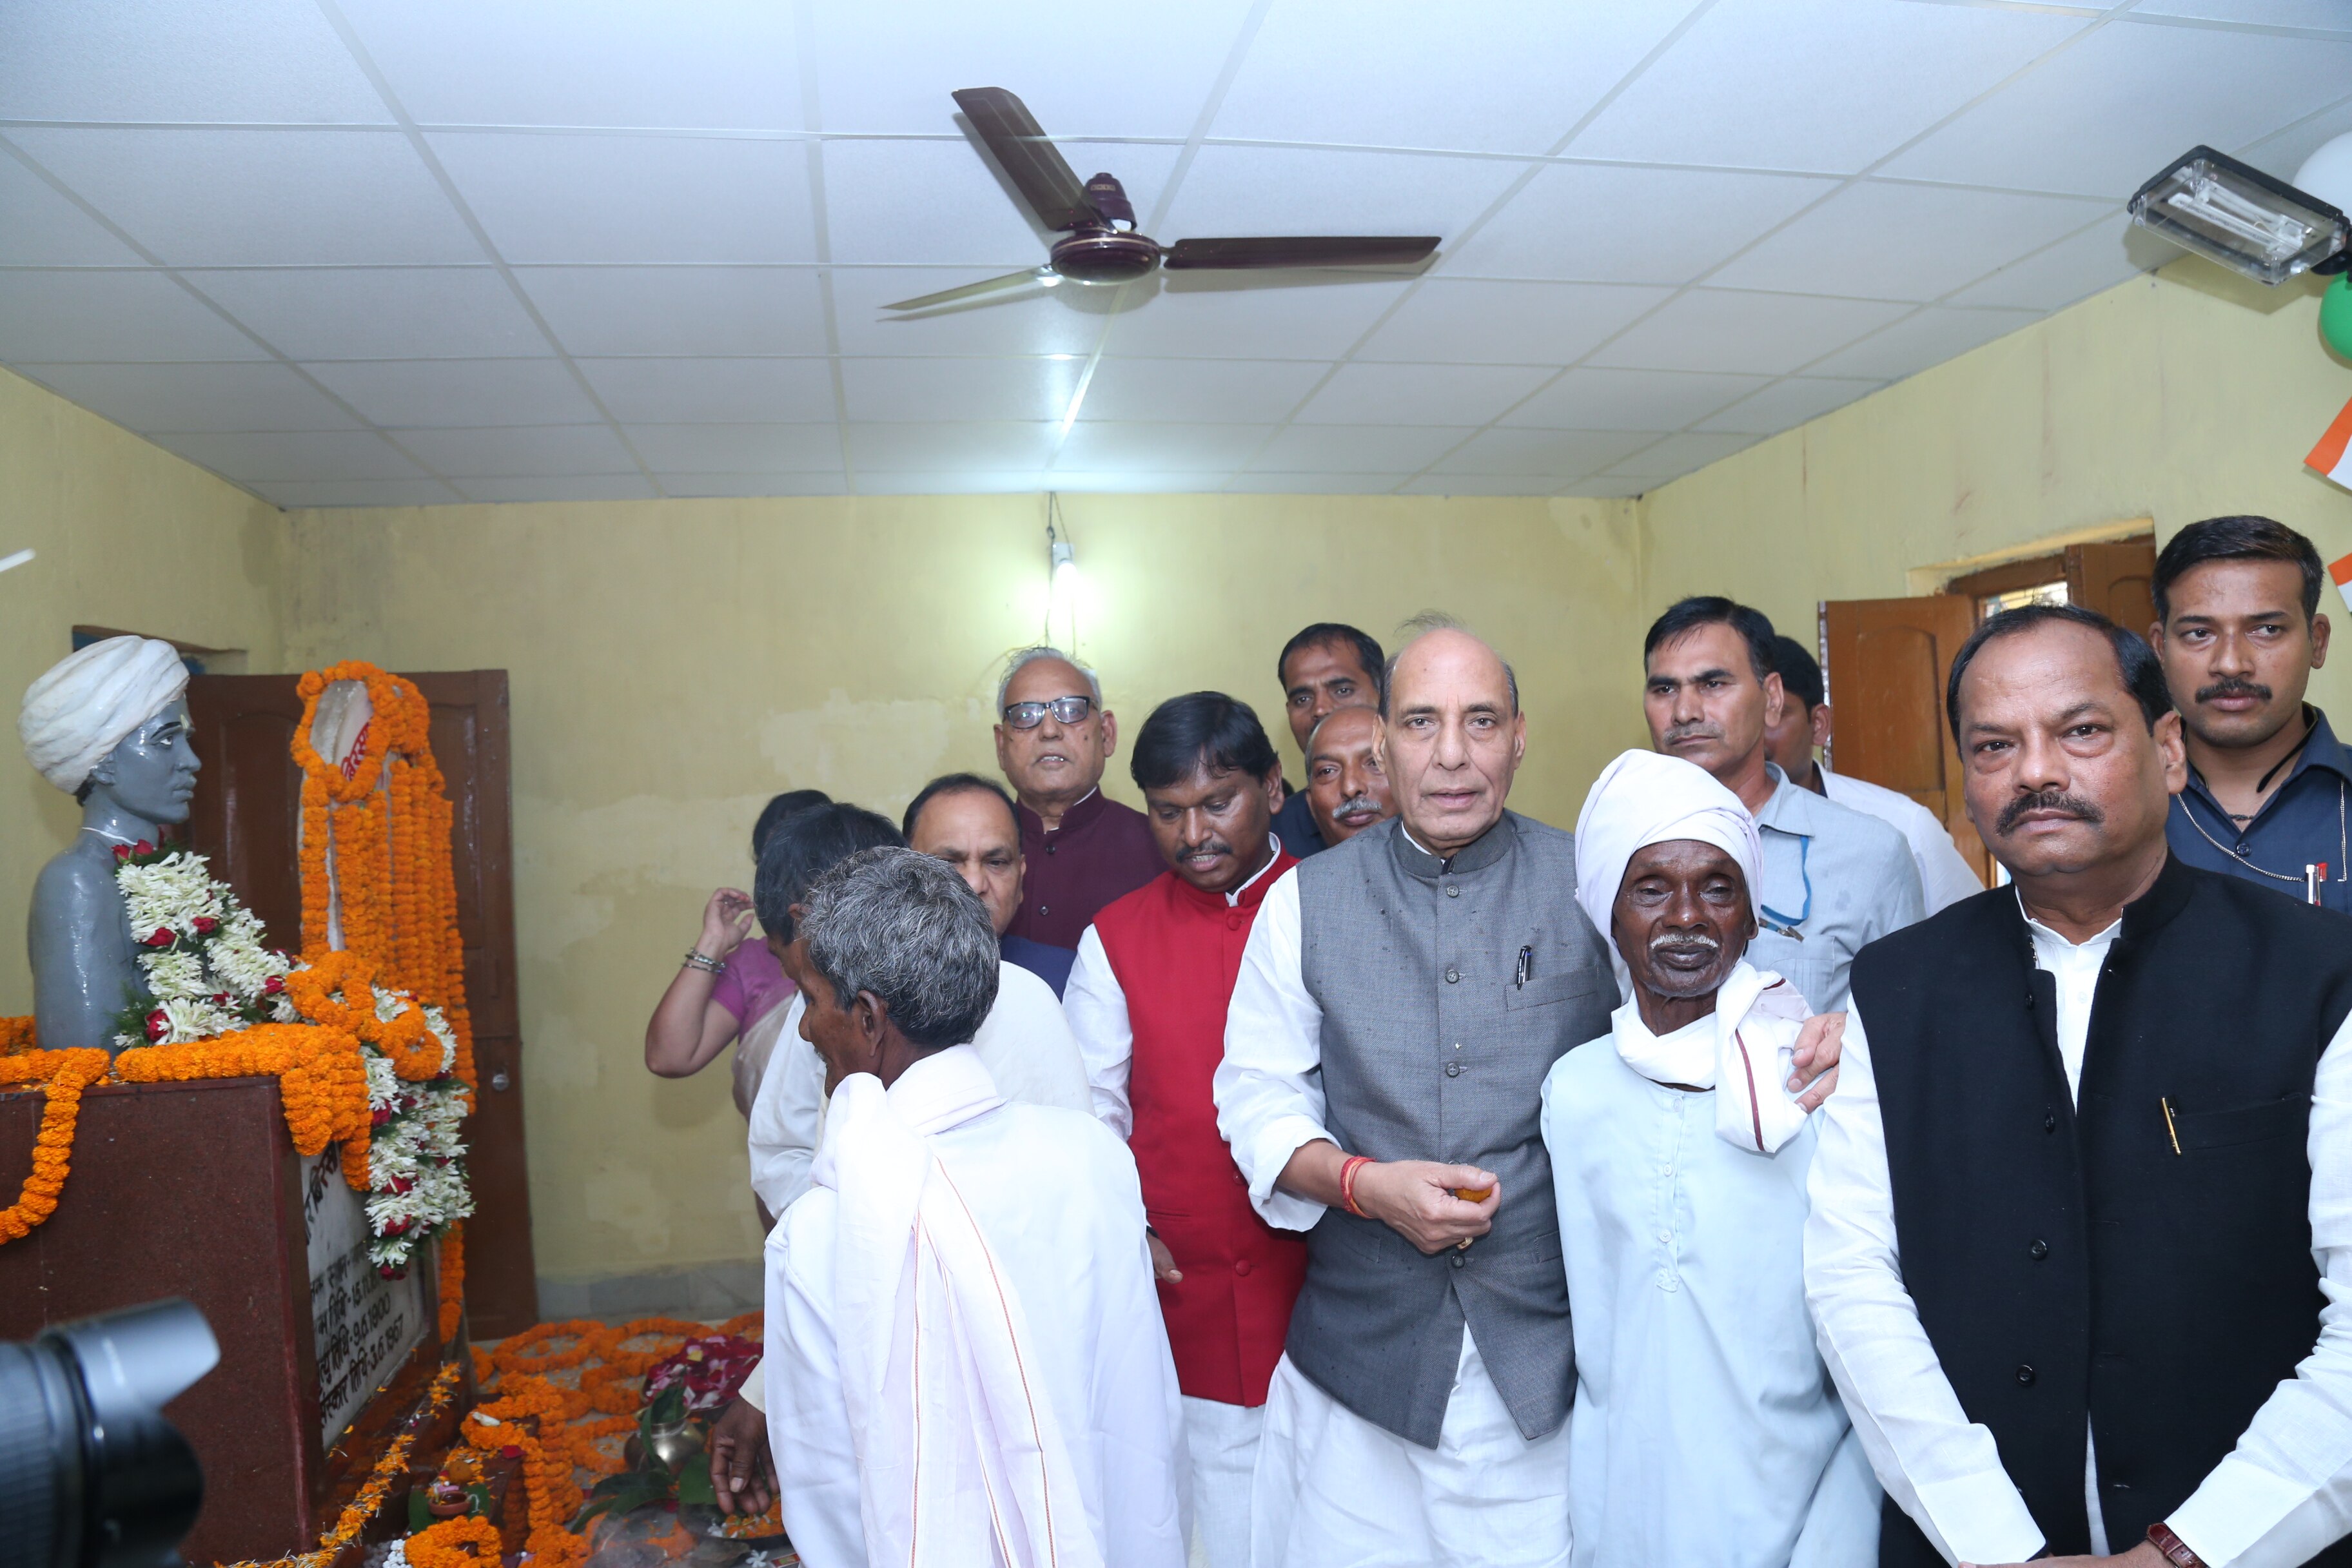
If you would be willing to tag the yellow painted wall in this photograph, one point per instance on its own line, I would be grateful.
(674, 663)
(127, 536)
(2176, 396)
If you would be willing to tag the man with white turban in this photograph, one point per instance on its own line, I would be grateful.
(1705, 1426)
(109, 726)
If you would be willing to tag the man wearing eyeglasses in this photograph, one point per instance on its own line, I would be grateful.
(1053, 737)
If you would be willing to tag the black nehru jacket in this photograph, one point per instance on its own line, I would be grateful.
(2066, 1263)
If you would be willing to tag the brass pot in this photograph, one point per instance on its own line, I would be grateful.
(677, 1444)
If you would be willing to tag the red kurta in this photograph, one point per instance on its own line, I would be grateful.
(1175, 952)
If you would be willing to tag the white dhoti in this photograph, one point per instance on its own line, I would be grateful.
(1331, 1489)
(1222, 1442)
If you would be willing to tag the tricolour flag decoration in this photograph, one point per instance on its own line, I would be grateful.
(2341, 570)
(2332, 458)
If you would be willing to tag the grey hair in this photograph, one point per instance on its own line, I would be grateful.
(1024, 658)
(1420, 626)
(904, 927)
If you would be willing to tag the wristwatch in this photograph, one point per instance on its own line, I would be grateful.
(2175, 1550)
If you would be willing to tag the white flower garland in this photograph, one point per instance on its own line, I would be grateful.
(201, 952)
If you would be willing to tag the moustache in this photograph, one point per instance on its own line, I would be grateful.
(1698, 730)
(1684, 941)
(2047, 800)
(2233, 686)
(1211, 846)
(1356, 808)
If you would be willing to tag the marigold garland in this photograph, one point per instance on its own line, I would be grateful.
(16, 1035)
(447, 1544)
(322, 1081)
(452, 1281)
(64, 1075)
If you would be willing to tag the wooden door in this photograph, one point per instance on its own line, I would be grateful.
(246, 816)
(1885, 662)
(2115, 578)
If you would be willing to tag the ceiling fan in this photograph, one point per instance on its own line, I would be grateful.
(1104, 245)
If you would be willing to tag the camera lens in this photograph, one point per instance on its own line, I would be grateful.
(91, 1476)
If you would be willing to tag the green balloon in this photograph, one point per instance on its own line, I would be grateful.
(2336, 315)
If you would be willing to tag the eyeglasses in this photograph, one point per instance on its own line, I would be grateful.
(1064, 710)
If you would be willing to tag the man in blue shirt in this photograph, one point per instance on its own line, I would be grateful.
(969, 822)
(2239, 631)
(1325, 668)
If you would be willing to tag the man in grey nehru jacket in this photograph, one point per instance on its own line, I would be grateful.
(1400, 1001)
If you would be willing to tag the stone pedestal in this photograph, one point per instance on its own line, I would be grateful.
(193, 1190)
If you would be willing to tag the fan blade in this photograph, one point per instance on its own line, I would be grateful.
(1034, 165)
(973, 290)
(1319, 250)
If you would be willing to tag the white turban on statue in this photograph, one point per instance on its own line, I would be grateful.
(1644, 798)
(91, 701)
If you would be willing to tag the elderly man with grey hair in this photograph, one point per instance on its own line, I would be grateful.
(965, 1355)
(1053, 737)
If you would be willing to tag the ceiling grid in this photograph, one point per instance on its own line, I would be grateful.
(381, 252)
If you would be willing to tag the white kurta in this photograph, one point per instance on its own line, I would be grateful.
(1706, 1429)
(2284, 1493)
(1024, 1043)
(1332, 1487)
(1055, 1197)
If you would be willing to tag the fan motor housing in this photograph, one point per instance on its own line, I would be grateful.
(1105, 255)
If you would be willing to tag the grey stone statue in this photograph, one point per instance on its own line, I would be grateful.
(110, 725)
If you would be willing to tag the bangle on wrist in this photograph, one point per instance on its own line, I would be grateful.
(2174, 1550)
(1348, 1184)
(695, 959)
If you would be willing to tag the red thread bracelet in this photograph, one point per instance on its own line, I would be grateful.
(1348, 1184)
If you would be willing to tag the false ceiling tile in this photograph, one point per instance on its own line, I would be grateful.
(1371, 448)
(1729, 329)
(2283, 153)
(1530, 485)
(1822, 85)
(1413, 75)
(494, 452)
(953, 482)
(745, 486)
(298, 493)
(153, 397)
(1614, 225)
(2076, 268)
(1133, 481)
(1680, 453)
(739, 448)
(1214, 391)
(560, 487)
(642, 63)
(133, 317)
(1106, 446)
(1875, 240)
(1629, 399)
(442, 393)
(2102, 117)
(943, 203)
(279, 198)
(1240, 191)
(1350, 483)
(1304, 315)
(1000, 447)
(1564, 453)
(1458, 319)
(378, 313)
(1037, 322)
(1420, 393)
(1930, 336)
(254, 458)
(255, 61)
(891, 390)
(679, 310)
(1786, 404)
(1129, 71)
(717, 391)
(2328, 16)
(548, 197)
(40, 227)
